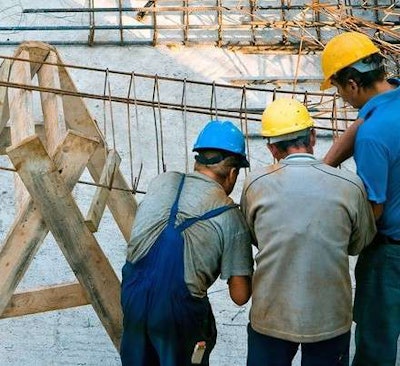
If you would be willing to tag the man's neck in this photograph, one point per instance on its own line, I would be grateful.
(378, 88)
(297, 150)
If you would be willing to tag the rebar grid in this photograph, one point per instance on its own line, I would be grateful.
(165, 106)
(285, 25)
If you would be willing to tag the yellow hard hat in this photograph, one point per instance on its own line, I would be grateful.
(283, 119)
(342, 51)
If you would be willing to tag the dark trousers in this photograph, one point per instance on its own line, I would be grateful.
(377, 305)
(268, 351)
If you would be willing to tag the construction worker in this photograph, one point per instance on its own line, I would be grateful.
(187, 232)
(352, 63)
(306, 218)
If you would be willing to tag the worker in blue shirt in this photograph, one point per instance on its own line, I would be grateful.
(353, 64)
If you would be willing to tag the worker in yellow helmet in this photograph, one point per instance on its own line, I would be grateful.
(352, 63)
(306, 217)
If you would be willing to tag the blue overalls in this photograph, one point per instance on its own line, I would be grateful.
(162, 320)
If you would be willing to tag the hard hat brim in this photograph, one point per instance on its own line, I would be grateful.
(326, 84)
(223, 154)
(244, 163)
(288, 136)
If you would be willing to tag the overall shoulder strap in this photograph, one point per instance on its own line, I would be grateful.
(174, 208)
(208, 215)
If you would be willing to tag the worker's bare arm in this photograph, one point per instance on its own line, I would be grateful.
(343, 147)
(377, 209)
(240, 289)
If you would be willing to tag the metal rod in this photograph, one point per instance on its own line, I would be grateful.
(78, 10)
(166, 78)
(129, 9)
(252, 29)
(185, 22)
(91, 24)
(121, 26)
(149, 76)
(219, 21)
(191, 8)
(280, 24)
(84, 43)
(87, 183)
(222, 112)
(76, 27)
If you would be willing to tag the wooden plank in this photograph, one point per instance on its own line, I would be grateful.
(77, 116)
(21, 115)
(100, 198)
(46, 299)
(4, 108)
(20, 101)
(5, 137)
(53, 115)
(5, 140)
(65, 221)
(38, 52)
(122, 204)
(29, 229)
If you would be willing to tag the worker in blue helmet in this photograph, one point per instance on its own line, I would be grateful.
(187, 232)
(225, 139)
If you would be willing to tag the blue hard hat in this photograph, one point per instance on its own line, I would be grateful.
(222, 135)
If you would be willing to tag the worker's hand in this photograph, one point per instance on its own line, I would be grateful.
(240, 289)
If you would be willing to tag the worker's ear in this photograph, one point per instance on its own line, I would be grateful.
(352, 87)
(233, 173)
(352, 84)
(274, 151)
(230, 180)
(312, 137)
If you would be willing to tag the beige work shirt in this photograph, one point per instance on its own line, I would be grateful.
(306, 217)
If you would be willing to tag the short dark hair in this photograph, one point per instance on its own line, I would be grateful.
(221, 162)
(301, 141)
(214, 156)
(363, 79)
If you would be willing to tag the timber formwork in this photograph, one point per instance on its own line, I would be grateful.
(49, 160)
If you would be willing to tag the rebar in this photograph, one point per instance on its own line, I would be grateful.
(259, 22)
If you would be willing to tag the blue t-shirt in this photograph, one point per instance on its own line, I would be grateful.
(377, 156)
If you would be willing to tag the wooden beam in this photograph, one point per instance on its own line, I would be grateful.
(77, 116)
(46, 299)
(122, 204)
(29, 229)
(5, 140)
(65, 221)
(100, 198)
(5, 137)
(53, 115)
(4, 108)
(38, 52)
(21, 115)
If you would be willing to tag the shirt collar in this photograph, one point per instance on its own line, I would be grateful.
(300, 157)
(368, 107)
